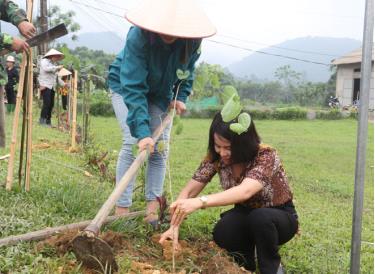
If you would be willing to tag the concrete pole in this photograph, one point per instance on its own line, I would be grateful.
(360, 167)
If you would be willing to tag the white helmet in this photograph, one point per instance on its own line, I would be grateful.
(10, 58)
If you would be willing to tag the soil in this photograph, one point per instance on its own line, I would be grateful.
(151, 258)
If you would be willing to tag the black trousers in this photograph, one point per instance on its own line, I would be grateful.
(11, 95)
(48, 96)
(241, 230)
(64, 101)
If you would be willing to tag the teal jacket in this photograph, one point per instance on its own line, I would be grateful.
(145, 71)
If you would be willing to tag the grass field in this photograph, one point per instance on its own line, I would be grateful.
(319, 157)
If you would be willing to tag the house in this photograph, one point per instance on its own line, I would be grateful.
(348, 80)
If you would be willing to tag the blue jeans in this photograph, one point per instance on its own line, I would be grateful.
(156, 165)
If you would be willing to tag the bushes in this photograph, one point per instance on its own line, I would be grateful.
(287, 113)
(290, 113)
(100, 104)
(333, 114)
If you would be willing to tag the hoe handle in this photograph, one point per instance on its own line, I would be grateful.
(104, 211)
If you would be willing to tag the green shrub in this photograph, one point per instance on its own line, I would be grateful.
(101, 109)
(333, 114)
(203, 113)
(290, 113)
(258, 114)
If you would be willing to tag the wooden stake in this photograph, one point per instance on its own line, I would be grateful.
(45, 233)
(73, 147)
(29, 141)
(9, 179)
(2, 118)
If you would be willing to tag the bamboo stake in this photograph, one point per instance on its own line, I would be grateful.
(74, 114)
(29, 141)
(23, 131)
(2, 117)
(47, 232)
(9, 179)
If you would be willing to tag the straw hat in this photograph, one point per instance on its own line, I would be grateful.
(53, 52)
(64, 72)
(179, 18)
(10, 58)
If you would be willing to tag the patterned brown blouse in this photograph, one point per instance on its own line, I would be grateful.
(266, 168)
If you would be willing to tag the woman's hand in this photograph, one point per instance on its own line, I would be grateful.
(27, 29)
(181, 208)
(146, 143)
(180, 107)
(171, 234)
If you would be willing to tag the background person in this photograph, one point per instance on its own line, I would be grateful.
(47, 81)
(10, 87)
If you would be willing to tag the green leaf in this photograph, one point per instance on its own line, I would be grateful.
(176, 120)
(227, 93)
(231, 109)
(182, 75)
(237, 128)
(161, 145)
(179, 128)
(244, 120)
(135, 150)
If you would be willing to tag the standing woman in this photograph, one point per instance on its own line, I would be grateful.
(47, 81)
(165, 38)
(13, 77)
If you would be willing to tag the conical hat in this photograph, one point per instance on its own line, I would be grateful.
(64, 72)
(53, 52)
(179, 18)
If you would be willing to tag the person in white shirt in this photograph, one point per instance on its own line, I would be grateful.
(47, 80)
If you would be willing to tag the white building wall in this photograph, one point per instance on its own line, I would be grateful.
(345, 83)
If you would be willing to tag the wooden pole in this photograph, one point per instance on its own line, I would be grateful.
(10, 174)
(23, 131)
(47, 232)
(29, 141)
(95, 225)
(2, 117)
(74, 114)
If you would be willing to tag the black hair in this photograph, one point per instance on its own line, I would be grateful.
(244, 146)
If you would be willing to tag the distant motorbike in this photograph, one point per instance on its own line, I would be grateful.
(333, 102)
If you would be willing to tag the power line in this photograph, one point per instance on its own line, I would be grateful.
(220, 42)
(95, 8)
(267, 53)
(98, 21)
(278, 47)
(110, 4)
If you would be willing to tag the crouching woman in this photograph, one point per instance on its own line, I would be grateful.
(254, 181)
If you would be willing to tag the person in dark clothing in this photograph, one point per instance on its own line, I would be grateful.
(13, 77)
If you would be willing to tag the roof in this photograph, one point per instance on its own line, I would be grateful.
(350, 58)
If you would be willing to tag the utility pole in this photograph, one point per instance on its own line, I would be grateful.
(360, 168)
(43, 21)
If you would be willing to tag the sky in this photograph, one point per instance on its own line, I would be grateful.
(247, 23)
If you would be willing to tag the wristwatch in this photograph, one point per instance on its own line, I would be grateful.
(204, 200)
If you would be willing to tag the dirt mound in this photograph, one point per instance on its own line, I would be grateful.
(151, 258)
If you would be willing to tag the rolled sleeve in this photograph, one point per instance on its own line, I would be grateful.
(134, 86)
(205, 172)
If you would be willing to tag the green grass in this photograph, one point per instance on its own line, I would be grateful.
(319, 157)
